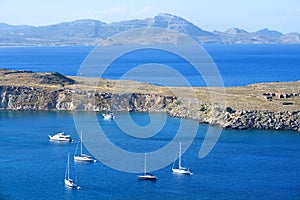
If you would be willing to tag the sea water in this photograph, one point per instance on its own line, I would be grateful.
(243, 165)
(238, 65)
(247, 164)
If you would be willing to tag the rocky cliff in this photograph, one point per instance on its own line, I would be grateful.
(261, 106)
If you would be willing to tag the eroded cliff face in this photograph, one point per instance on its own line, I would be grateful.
(26, 98)
(30, 98)
(54, 92)
(226, 117)
(34, 99)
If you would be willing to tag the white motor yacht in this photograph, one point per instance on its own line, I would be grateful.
(60, 137)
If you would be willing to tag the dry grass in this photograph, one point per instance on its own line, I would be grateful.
(242, 98)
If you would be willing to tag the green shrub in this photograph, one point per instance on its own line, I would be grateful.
(202, 108)
(229, 109)
(178, 103)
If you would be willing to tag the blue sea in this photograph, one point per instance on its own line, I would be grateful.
(244, 164)
(238, 65)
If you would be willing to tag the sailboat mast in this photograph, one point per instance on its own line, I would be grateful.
(68, 166)
(81, 144)
(179, 161)
(145, 160)
(66, 174)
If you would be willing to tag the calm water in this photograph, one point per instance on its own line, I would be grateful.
(243, 165)
(238, 64)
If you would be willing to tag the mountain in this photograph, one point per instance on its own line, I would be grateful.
(178, 24)
(268, 33)
(92, 32)
(236, 31)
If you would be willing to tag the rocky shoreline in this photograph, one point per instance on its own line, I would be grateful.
(30, 91)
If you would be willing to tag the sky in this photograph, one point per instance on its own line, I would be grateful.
(250, 15)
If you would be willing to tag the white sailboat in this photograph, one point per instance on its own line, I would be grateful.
(180, 169)
(68, 181)
(81, 156)
(147, 176)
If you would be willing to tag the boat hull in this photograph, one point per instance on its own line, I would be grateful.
(70, 183)
(147, 177)
(182, 171)
(59, 139)
(83, 158)
(108, 116)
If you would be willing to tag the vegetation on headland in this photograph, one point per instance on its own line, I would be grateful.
(261, 106)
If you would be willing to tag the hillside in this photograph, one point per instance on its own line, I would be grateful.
(261, 106)
(92, 32)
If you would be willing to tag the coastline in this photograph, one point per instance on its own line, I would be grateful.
(256, 106)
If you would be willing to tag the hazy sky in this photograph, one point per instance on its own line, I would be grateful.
(250, 15)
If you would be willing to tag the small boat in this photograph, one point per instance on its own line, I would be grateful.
(81, 156)
(108, 116)
(147, 176)
(68, 181)
(60, 137)
(180, 169)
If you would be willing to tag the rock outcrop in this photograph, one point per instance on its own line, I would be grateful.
(55, 92)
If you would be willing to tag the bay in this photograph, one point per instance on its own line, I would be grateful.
(246, 164)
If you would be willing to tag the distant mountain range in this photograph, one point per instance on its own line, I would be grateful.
(91, 32)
